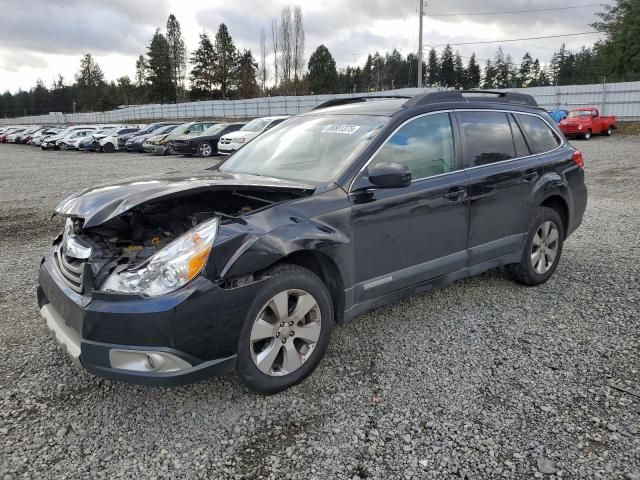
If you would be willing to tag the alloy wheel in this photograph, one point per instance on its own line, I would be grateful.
(205, 149)
(544, 248)
(285, 332)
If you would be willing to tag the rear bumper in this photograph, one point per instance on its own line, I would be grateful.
(191, 333)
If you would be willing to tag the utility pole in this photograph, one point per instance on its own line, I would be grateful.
(420, 17)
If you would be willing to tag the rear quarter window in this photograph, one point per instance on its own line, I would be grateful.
(541, 137)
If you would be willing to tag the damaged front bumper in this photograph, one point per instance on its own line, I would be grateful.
(168, 340)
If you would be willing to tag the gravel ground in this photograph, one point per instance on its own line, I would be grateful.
(482, 379)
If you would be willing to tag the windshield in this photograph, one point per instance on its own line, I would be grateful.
(580, 113)
(182, 128)
(106, 131)
(215, 129)
(310, 148)
(166, 129)
(256, 125)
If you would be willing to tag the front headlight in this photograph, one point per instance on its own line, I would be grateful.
(579, 127)
(169, 269)
(239, 140)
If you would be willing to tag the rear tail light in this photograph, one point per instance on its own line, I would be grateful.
(577, 158)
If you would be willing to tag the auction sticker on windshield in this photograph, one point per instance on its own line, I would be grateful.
(344, 129)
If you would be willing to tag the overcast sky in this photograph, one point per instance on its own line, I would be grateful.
(41, 38)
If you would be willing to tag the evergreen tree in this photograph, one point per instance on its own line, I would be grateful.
(534, 74)
(433, 68)
(366, 75)
(141, 71)
(203, 71)
(377, 72)
(124, 90)
(447, 68)
(89, 83)
(458, 69)
(620, 51)
(472, 74)
(177, 56)
(227, 57)
(247, 86)
(161, 87)
(39, 99)
(525, 74)
(323, 77)
(489, 80)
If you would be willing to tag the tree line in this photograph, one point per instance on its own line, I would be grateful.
(218, 69)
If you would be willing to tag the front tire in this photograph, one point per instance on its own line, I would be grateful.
(205, 150)
(587, 134)
(108, 148)
(286, 331)
(542, 249)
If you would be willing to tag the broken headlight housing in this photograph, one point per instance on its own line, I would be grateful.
(170, 268)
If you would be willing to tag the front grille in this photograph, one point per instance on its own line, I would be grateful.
(225, 141)
(72, 270)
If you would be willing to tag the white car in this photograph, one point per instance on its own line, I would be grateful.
(52, 141)
(109, 143)
(37, 139)
(61, 143)
(67, 142)
(231, 142)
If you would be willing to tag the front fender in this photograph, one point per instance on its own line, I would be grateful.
(255, 253)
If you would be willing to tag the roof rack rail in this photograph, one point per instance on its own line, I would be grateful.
(345, 101)
(493, 96)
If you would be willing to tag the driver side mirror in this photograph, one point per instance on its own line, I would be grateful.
(384, 175)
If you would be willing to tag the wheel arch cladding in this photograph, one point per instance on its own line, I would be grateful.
(327, 271)
(559, 204)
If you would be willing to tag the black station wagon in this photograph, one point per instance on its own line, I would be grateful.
(248, 266)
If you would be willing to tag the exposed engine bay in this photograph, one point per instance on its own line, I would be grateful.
(129, 239)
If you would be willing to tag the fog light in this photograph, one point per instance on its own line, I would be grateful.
(146, 361)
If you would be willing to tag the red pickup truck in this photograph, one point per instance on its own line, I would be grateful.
(585, 122)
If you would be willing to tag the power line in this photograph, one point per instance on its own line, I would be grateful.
(454, 14)
(518, 39)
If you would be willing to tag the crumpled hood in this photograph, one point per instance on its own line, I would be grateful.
(102, 203)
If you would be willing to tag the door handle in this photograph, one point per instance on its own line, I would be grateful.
(456, 194)
(530, 176)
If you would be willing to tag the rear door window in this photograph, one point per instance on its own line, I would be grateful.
(487, 137)
(541, 137)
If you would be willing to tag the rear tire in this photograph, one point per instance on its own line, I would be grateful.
(587, 134)
(609, 132)
(275, 338)
(542, 250)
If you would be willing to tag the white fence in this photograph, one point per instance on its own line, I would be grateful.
(620, 99)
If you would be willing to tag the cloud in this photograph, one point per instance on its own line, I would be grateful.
(11, 61)
(78, 26)
(41, 38)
